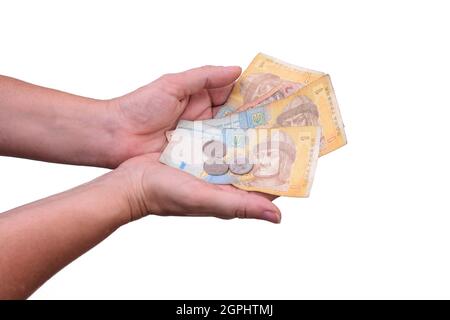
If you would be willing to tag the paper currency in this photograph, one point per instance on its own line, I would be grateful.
(267, 137)
(279, 161)
(300, 97)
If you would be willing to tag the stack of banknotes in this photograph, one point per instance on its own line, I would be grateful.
(268, 136)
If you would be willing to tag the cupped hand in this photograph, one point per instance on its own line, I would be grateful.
(154, 188)
(143, 116)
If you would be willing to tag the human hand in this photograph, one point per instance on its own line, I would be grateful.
(143, 116)
(153, 188)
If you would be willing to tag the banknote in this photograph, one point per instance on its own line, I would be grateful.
(299, 97)
(279, 161)
(313, 105)
(266, 79)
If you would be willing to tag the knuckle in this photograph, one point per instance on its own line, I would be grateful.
(167, 80)
(240, 210)
(169, 83)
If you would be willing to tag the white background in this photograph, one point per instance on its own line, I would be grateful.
(377, 222)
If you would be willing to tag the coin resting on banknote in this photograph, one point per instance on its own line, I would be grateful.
(279, 161)
(215, 165)
(293, 113)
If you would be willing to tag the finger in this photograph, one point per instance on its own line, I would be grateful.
(220, 95)
(192, 81)
(228, 204)
(205, 115)
(270, 197)
(198, 108)
(202, 115)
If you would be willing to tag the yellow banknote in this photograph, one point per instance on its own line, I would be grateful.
(279, 161)
(266, 79)
(287, 170)
(312, 105)
(300, 97)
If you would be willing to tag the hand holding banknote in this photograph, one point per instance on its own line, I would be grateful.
(264, 141)
(128, 134)
(147, 114)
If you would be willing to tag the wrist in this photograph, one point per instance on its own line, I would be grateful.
(90, 131)
(135, 186)
(113, 189)
(114, 148)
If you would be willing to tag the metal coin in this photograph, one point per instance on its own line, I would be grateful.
(241, 168)
(214, 149)
(215, 169)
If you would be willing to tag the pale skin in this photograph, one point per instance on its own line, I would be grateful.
(125, 134)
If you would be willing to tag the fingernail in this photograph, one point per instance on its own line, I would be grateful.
(271, 216)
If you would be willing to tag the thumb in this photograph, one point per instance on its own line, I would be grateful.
(207, 77)
(234, 203)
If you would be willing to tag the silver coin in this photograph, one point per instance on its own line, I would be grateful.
(215, 169)
(241, 168)
(214, 149)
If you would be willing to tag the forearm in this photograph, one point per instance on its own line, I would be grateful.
(45, 124)
(40, 238)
